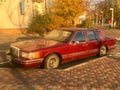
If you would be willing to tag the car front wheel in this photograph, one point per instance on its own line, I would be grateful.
(52, 61)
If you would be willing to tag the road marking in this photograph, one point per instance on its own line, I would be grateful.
(118, 53)
(118, 38)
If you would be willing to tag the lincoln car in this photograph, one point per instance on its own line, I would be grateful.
(60, 46)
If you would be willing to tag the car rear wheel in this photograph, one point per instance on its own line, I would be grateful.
(102, 51)
(52, 61)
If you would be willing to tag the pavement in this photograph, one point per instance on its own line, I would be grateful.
(98, 74)
(87, 74)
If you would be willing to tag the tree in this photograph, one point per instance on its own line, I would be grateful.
(105, 6)
(69, 9)
(44, 23)
(40, 24)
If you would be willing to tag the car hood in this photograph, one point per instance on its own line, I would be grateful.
(35, 44)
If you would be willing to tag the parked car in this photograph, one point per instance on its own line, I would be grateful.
(61, 45)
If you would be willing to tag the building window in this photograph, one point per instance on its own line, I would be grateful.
(2, 2)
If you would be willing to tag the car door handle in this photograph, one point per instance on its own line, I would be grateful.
(84, 43)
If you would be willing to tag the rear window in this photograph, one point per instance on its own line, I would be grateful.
(100, 35)
(92, 35)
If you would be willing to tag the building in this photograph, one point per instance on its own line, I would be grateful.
(16, 14)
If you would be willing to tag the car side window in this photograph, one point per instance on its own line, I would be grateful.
(91, 36)
(80, 36)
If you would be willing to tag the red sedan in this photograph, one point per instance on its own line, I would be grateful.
(61, 45)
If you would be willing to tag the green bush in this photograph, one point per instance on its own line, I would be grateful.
(86, 24)
(40, 24)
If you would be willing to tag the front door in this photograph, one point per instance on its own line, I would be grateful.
(79, 45)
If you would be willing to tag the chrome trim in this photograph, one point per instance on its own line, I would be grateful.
(79, 53)
(19, 61)
(94, 50)
(35, 60)
(16, 49)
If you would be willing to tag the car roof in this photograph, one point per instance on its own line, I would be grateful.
(75, 29)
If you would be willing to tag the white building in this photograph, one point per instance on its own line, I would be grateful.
(15, 14)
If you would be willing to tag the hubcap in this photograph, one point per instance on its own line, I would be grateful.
(52, 63)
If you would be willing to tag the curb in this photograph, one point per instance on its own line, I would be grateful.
(118, 38)
(76, 66)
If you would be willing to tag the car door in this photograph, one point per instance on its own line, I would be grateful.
(93, 43)
(79, 45)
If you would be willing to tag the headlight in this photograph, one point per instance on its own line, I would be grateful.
(32, 55)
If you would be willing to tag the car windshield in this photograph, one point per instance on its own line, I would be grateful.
(59, 35)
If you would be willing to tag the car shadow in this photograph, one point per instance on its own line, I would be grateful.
(63, 66)
(3, 48)
(76, 62)
(8, 64)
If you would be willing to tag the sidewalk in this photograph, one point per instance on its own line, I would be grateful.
(112, 33)
(98, 74)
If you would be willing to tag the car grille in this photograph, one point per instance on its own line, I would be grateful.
(14, 51)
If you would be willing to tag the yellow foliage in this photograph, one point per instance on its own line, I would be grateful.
(69, 9)
(57, 21)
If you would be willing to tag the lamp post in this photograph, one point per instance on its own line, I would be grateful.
(102, 21)
(96, 18)
(112, 18)
(45, 6)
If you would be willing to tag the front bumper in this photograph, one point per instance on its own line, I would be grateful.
(27, 62)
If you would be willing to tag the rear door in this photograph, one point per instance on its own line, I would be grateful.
(93, 43)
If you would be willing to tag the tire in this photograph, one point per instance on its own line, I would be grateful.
(102, 51)
(52, 61)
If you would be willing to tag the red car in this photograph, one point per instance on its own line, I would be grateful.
(61, 45)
